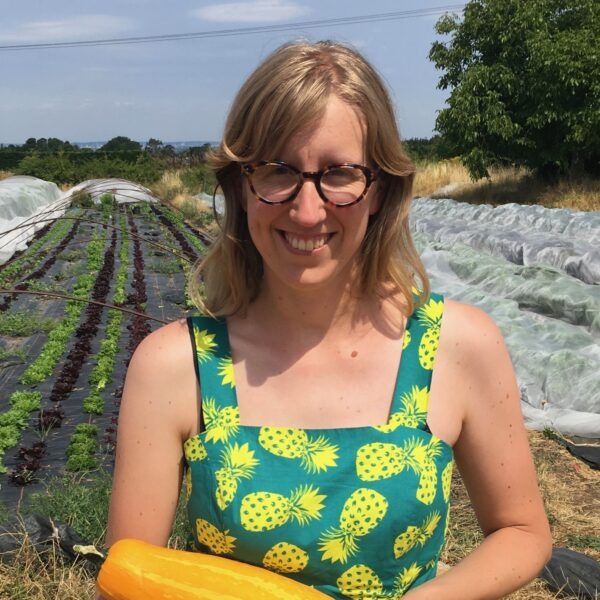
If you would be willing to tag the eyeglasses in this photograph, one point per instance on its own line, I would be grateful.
(276, 182)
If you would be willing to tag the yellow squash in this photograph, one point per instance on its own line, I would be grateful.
(136, 570)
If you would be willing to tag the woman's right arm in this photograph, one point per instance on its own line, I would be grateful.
(159, 410)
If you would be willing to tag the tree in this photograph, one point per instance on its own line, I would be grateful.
(122, 148)
(423, 150)
(50, 167)
(153, 146)
(121, 144)
(524, 77)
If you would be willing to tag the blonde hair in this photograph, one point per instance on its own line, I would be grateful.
(285, 94)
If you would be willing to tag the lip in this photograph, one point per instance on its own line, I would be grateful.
(305, 244)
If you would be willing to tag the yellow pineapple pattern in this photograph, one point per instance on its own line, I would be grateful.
(430, 315)
(218, 541)
(447, 481)
(361, 582)
(428, 471)
(406, 340)
(221, 423)
(362, 512)
(315, 454)
(285, 558)
(263, 511)
(406, 578)
(188, 484)
(414, 535)
(413, 412)
(205, 344)
(194, 449)
(237, 462)
(382, 460)
(226, 372)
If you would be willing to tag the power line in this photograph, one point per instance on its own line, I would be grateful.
(370, 18)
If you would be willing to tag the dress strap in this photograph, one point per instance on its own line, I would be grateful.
(214, 367)
(413, 383)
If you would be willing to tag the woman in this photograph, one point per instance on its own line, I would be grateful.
(332, 391)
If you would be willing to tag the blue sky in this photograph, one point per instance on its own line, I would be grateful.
(181, 90)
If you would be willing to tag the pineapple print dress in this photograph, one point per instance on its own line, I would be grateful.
(355, 512)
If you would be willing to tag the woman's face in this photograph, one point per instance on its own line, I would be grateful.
(307, 242)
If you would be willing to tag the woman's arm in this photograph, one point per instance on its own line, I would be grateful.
(494, 460)
(159, 410)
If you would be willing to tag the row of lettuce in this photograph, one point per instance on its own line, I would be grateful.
(84, 447)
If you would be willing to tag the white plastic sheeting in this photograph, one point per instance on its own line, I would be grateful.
(219, 202)
(535, 271)
(122, 191)
(27, 204)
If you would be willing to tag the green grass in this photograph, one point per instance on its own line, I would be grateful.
(71, 255)
(79, 500)
(583, 541)
(41, 286)
(23, 324)
(12, 354)
(165, 266)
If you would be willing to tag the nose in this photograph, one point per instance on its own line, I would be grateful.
(308, 208)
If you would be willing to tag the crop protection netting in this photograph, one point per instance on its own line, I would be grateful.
(536, 271)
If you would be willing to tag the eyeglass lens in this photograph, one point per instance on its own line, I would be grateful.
(277, 183)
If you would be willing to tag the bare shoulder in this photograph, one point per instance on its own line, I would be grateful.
(472, 368)
(161, 378)
(468, 327)
(167, 349)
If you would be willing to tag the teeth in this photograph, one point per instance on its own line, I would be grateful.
(306, 245)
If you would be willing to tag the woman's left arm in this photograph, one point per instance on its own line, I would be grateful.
(493, 456)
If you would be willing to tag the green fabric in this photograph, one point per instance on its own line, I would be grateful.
(355, 512)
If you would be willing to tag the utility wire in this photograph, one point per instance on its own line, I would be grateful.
(370, 18)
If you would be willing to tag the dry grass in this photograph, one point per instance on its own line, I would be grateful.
(169, 186)
(431, 177)
(570, 492)
(171, 189)
(5, 174)
(35, 577)
(506, 184)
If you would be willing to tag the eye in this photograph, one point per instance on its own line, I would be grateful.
(343, 176)
(279, 171)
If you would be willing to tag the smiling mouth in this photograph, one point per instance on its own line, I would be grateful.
(306, 243)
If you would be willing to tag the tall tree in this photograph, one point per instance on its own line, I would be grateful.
(122, 148)
(524, 81)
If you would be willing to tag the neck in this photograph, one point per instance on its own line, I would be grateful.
(313, 311)
(311, 315)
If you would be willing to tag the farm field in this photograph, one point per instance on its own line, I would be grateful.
(63, 361)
